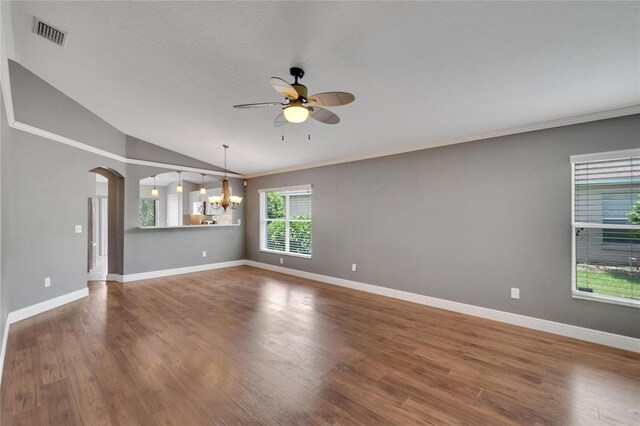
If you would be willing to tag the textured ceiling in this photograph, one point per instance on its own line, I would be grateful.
(423, 73)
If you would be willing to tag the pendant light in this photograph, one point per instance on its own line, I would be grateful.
(225, 199)
(179, 187)
(154, 191)
(203, 190)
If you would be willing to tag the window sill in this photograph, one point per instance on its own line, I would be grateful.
(605, 299)
(213, 225)
(284, 253)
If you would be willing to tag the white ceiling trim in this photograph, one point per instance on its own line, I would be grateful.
(79, 145)
(602, 115)
(6, 88)
(5, 83)
(482, 68)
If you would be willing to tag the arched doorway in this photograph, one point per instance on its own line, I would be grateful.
(114, 223)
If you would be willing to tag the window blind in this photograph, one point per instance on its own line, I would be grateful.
(285, 220)
(606, 229)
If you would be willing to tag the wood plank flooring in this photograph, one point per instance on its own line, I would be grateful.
(247, 346)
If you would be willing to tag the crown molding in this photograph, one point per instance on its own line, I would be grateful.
(5, 83)
(567, 121)
(92, 149)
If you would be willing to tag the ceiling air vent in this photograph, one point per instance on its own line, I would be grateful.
(49, 32)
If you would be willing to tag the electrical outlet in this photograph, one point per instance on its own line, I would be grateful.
(239, 221)
(204, 254)
(47, 282)
(354, 267)
(515, 293)
(281, 261)
(78, 229)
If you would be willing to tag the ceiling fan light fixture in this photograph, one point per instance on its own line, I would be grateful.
(296, 113)
(296, 100)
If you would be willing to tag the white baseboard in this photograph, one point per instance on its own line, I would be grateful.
(38, 308)
(114, 277)
(178, 271)
(587, 334)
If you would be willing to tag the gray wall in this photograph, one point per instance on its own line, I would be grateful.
(39, 104)
(158, 249)
(44, 194)
(462, 222)
(141, 150)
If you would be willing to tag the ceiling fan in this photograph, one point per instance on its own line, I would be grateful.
(298, 106)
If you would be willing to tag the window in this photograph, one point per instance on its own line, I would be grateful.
(148, 211)
(285, 220)
(606, 227)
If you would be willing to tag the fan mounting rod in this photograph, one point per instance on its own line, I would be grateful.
(296, 73)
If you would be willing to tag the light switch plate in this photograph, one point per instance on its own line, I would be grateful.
(354, 267)
(78, 229)
(281, 261)
(47, 282)
(204, 254)
(515, 293)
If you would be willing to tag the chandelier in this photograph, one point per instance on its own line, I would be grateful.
(225, 199)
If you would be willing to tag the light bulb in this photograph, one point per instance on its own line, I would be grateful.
(296, 113)
(154, 192)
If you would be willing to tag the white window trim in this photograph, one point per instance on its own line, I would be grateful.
(575, 293)
(609, 155)
(285, 220)
(287, 188)
(284, 253)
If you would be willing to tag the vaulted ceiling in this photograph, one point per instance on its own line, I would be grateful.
(424, 74)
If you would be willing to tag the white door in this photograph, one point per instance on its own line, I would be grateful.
(174, 210)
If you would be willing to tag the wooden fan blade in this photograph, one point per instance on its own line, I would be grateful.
(280, 120)
(323, 115)
(284, 88)
(332, 98)
(263, 104)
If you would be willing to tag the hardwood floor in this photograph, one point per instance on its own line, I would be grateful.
(247, 346)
